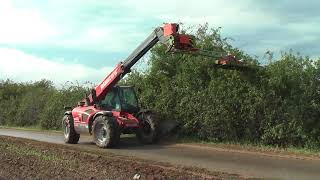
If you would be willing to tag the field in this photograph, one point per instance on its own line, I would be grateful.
(27, 159)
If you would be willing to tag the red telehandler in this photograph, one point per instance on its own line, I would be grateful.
(110, 110)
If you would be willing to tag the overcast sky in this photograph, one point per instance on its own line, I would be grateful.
(83, 40)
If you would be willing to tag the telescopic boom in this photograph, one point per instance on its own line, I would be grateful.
(168, 35)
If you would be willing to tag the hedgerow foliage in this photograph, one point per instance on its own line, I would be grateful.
(277, 104)
(36, 104)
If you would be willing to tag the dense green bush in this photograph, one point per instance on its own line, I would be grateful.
(36, 104)
(292, 99)
(276, 104)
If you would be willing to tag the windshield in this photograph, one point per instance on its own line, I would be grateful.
(111, 101)
(128, 99)
(122, 98)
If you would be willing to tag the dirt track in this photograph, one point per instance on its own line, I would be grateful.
(246, 164)
(28, 159)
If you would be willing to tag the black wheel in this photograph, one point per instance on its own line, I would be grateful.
(70, 135)
(106, 132)
(148, 133)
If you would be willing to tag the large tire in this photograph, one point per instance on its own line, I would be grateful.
(149, 131)
(106, 133)
(70, 135)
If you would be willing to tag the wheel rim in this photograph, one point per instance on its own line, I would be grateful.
(101, 131)
(66, 130)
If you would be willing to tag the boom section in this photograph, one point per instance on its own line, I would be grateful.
(167, 35)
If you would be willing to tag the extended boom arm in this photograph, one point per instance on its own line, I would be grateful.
(167, 35)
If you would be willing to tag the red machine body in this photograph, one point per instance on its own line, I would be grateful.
(84, 114)
(83, 117)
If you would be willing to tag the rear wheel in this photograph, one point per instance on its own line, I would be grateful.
(148, 132)
(70, 135)
(106, 132)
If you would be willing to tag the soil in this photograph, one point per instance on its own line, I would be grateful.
(28, 159)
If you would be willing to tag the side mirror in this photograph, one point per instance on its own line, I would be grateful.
(94, 96)
(81, 103)
(67, 108)
(87, 101)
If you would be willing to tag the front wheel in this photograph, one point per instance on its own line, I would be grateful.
(70, 135)
(149, 130)
(106, 133)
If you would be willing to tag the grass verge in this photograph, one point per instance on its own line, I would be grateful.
(261, 148)
(30, 128)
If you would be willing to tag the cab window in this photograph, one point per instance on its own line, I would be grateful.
(111, 101)
(129, 99)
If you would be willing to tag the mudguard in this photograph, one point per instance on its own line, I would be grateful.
(100, 113)
(68, 113)
(104, 113)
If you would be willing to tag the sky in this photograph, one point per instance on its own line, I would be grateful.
(83, 40)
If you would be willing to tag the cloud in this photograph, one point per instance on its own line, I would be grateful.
(23, 26)
(19, 66)
(217, 12)
(256, 26)
(99, 28)
(92, 26)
